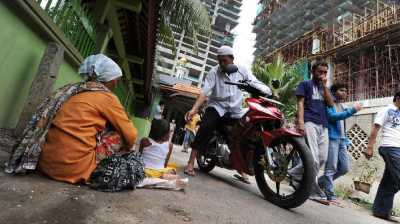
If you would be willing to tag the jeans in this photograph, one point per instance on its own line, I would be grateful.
(186, 138)
(389, 185)
(336, 166)
(318, 142)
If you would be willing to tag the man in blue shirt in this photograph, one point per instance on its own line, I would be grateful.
(313, 96)
(338, 163)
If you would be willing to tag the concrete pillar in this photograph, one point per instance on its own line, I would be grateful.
(42, 85)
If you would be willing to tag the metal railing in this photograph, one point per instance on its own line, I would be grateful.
(74, 20)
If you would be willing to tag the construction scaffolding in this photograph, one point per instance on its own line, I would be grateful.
(282, 21)
(371, 73)
(354, 26)
(364, 49)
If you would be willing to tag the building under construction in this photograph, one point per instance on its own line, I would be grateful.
(359, 38)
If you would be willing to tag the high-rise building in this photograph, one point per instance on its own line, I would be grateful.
(191, 65)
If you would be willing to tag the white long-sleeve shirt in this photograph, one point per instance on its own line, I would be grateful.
(228, 98)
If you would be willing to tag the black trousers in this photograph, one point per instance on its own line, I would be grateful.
(209, 123)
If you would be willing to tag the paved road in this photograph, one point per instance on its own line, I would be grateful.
(213, 198)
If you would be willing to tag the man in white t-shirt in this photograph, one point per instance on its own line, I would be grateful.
(389, 120)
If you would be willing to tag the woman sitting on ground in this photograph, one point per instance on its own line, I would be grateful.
(64, 133)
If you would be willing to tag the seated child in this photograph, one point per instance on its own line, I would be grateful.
(156, 151)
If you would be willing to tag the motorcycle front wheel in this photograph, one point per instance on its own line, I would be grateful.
(286, 178)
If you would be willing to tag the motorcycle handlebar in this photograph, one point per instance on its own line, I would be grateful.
(233, 83)
(272, 101)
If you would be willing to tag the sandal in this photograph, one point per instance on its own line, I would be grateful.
(189, 172)
(239, 177)
(320, 200)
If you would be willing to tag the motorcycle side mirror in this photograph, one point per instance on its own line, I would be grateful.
(229, 69)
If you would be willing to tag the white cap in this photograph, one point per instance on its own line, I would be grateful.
(224, 50)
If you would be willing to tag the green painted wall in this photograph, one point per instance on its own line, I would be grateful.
(20, 54)
(68, 74)
(143, 126)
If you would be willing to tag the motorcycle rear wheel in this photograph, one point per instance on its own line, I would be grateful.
(302, 192)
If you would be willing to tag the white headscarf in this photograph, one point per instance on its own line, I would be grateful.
(100, 67)
(224, 50)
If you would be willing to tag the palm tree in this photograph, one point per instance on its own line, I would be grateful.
(191, 16)
(283, 80)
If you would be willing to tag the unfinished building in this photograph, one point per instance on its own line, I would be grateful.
(359, 38)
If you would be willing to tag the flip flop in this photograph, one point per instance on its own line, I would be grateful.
(189, 172)
(239, 177)
(321, 201)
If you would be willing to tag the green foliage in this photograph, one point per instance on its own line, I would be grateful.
(343, 191)
(74, 19)
(188, 15)
(368, 172)
(288, 77)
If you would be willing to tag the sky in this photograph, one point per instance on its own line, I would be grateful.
(243, 45)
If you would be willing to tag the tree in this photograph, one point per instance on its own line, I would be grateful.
(283, 80)
(188, 15)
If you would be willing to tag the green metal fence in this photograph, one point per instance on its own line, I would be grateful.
(74, 19)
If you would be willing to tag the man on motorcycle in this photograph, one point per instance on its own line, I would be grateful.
(223, 100)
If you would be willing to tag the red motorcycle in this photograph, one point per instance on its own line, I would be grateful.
(259, 145)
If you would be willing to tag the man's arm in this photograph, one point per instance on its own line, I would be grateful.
(380, 120)
(255, 82)
(371, 141)
(334, 116)
(328, 97)
(199, 102)
(208, 87)
(300, 114)
(195, 109)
